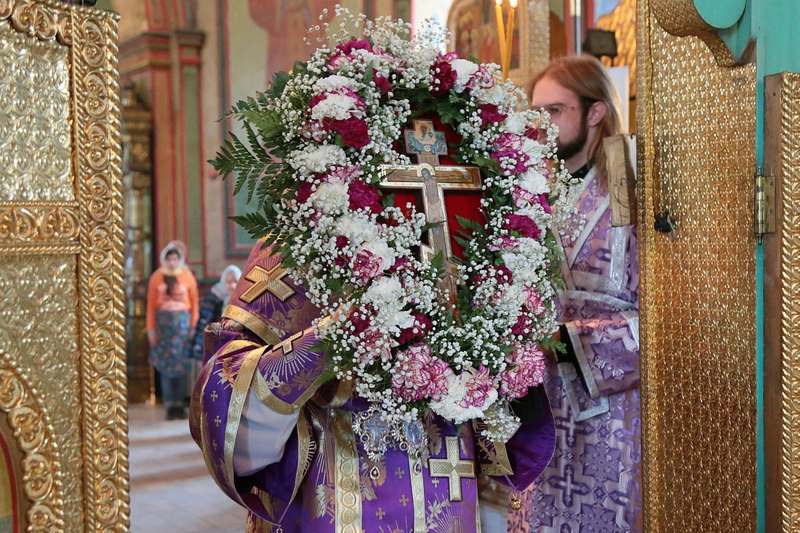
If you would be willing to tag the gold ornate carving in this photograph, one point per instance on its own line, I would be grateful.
(39, 331)
(37, 19)
(698, 363)
(35, 144)
(39, 224)
(35, 436)
(99, 191)
(787, 137)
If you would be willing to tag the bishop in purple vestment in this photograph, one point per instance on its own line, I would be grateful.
(278, 438)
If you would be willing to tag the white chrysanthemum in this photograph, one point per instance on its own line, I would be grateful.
(334, 82)
(464, 71)
(381, 248)
(318, 158)
(448, 406)
(496, 95)
(330, 197)
(357, 227)
(534, 182)
(335, 106)
(386, 295)
(516, 123)
(533, 149)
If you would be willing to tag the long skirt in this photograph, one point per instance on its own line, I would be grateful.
(168, 356)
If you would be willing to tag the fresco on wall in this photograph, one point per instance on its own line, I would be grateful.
(475, 29)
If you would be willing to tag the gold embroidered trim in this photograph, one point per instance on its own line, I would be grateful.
(417, 494)
(499, 464)
(264, 393)
(238, 397)
(254, 323)
(347, 481)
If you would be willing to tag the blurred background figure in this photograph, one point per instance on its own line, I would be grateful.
(172, 312)
(211, 307)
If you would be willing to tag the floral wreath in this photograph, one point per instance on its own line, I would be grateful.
(312, 159)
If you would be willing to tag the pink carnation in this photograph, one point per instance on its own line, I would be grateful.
(366, 266)
(490, 114)
(527, 370)
(364, 196)
(353, 131)
(478, 388)
(482, 79)
(444, 76)
(504, 243)
(383, 84)
(418, 375)
(507, 149)
(421, 327)
(523, 225)
(533, 302)
(523, 325)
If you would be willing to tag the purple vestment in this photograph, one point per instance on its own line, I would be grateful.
(593, 483)
(318, 477)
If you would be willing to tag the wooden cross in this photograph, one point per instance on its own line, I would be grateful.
(433, 181)
(452, 467)
(267, 280)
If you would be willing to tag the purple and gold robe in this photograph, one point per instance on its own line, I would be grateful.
(594, 481)
(279, 440)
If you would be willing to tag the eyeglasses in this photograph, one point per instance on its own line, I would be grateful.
(555, 110)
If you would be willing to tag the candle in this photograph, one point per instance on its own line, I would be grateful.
(501, 33)
(510, 36)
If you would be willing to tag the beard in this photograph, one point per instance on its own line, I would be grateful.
(570, 147)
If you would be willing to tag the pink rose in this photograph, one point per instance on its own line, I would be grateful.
(444, 77)
(478, 388)
(353, 131)
(490, 114)
(523, 225)
(363, 196)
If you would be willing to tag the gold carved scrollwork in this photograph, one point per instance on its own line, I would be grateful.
(97, 138)
(39, 224)
(41, 464)
(38, 19)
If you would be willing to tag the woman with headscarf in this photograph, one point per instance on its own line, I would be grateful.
(211, 307)
(172, 312)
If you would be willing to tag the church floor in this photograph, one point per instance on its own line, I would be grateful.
(171, 490)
